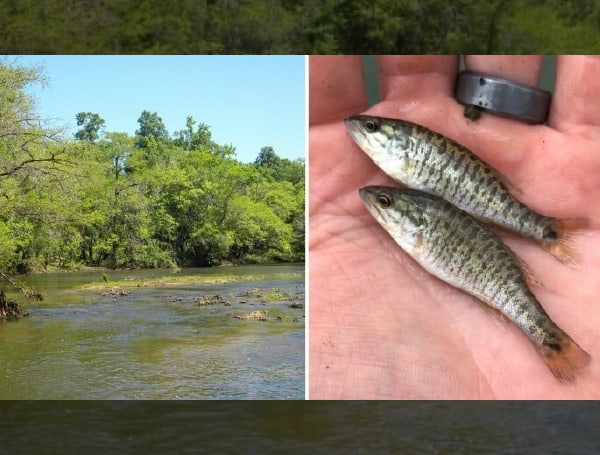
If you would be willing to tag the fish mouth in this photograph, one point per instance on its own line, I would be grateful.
(355, 130)
(367, 193)
(352, 124)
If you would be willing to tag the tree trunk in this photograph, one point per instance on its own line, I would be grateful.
(10, 309)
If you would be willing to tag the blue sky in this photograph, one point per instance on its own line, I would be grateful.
(248, 101)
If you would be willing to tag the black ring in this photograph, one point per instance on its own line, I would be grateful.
(503, 97)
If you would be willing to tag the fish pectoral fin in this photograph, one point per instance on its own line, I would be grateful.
(514, 190)
(531, 278)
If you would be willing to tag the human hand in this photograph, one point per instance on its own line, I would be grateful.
(380, 326)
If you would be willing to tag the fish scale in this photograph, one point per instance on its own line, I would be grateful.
(453, 171)
(428, 161)
(458, 249)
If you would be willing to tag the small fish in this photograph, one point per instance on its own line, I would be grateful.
(425, 160)
(465, 253)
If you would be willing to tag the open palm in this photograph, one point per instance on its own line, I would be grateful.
(382, 327)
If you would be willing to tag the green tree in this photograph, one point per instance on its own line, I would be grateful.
(306, 26)
(151, 127)
(92, 125)
(189, 139)
(109, 201)
(33, 161)
(26, 147)
(280, 185)
(277, 168)
(117, 148)
(257, 233)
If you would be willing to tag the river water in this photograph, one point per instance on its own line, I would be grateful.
(156, 342)
(315, 427)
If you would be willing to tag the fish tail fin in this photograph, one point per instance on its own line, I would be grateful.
(562, 241)
(564, 357)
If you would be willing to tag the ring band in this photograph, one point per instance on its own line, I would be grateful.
(503, 97)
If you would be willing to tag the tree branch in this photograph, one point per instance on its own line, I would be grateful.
(28, 293)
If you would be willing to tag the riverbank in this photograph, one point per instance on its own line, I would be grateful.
(173, 269)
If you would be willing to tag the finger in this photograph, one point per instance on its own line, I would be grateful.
(410, 77)
(576, 106)
(336, 87)
(418, 88)
(520, 68)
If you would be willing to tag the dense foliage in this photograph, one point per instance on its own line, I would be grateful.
(305, 26)
(109, 199)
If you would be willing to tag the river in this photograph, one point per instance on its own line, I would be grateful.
(315, 427)
(153, 340)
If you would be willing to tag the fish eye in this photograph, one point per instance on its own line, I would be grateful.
(371, 126)
(384, 200)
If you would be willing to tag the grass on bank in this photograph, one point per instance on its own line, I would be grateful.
(105, 283)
